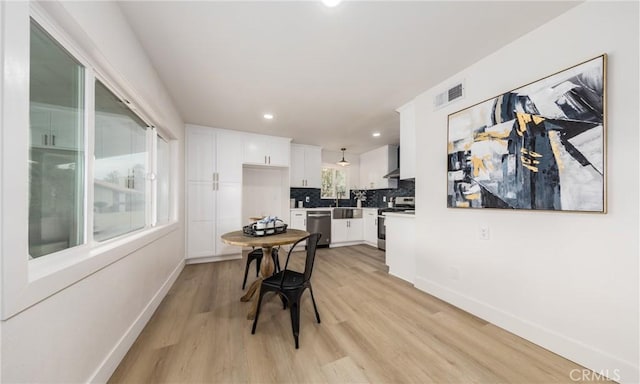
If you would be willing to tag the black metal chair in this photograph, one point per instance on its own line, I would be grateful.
(256, 254)
(290, 285)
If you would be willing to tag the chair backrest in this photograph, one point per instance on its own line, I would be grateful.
(312, 245)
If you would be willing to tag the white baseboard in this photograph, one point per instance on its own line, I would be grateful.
(210, 259)
(599, 361)
(345, 244)
(113, 359)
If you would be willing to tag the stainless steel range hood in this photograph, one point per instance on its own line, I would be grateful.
(395, 174)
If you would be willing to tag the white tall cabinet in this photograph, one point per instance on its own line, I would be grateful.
(214, 190)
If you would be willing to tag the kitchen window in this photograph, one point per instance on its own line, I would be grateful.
(334, 183)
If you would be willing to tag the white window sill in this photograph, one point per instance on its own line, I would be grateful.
(53, 273)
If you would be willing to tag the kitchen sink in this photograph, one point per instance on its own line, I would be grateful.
(347, 213)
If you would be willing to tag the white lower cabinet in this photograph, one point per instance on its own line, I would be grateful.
(346, 231)
(298, 220)
(201, 210)
(228, 201)
(212, 212)
(370, 226)
(401, 250)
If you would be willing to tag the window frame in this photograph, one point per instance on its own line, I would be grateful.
(26, 281)
(335, 169)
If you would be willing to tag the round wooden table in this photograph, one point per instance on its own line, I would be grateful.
(266, 267)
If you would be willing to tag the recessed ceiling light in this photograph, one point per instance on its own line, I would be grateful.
(375, 134)
(268, 116)
(331, 3)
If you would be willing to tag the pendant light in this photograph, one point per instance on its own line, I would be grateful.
(343, 162)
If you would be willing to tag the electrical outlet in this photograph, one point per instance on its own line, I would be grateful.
(484, 232)
(306, 199)
(384, 199)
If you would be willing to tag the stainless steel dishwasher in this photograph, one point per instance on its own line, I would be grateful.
(320, 222)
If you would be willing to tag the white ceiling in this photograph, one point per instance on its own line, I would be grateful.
(332, 76)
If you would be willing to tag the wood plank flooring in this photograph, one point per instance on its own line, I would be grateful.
(375, 329)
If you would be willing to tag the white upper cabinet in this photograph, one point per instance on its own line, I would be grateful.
(407, 141)
(377, 163)
(229, 156)
(266, 150)
(306, 164)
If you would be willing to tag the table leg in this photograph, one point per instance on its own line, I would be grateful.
(266, 269)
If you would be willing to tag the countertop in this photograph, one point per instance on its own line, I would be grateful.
(400, 214)
(328, 208)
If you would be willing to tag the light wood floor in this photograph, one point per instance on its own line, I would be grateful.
(375, 328)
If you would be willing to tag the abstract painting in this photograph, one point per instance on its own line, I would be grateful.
(538, 147)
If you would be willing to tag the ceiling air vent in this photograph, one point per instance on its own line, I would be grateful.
(444, 98)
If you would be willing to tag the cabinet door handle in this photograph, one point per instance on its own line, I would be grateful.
(53, 140)
(46, 139)
(265, 159)
(269, 159)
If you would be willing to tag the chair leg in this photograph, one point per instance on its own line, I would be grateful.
(283, 298)
(294, 307)
(258, 262)
(315, 308)
(276, 262)
(246, 271)
(255, 319)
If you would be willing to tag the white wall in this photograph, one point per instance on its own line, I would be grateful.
(566, 281)
(81, 332)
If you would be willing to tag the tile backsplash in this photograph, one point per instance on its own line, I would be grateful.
(374, 196)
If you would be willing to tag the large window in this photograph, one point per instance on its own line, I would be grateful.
(56, 147)
(120, 168)
(123, 199)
